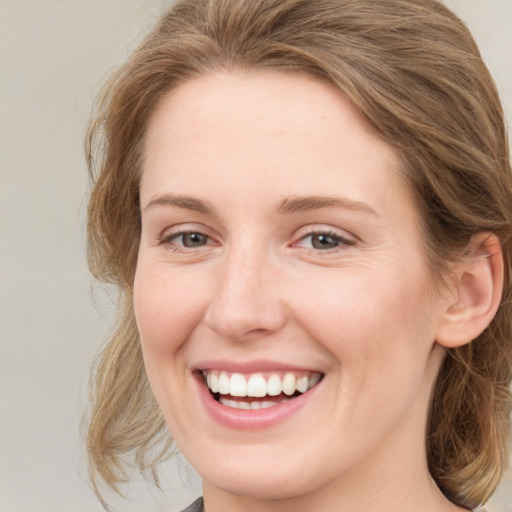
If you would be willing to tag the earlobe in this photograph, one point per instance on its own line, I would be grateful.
(477, 291)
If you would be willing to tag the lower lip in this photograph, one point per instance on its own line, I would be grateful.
(253, 419)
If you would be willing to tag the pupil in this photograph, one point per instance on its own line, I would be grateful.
(324, 242)
(194, 240)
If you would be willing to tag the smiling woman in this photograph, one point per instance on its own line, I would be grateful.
(307, 209)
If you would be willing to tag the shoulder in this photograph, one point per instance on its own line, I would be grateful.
(197, 506)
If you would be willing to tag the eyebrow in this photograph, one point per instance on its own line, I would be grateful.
(308, 203)
(286, 206)
(185, 202)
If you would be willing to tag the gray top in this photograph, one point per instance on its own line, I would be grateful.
(197, 506)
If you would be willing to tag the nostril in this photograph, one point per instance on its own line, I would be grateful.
(255, 333)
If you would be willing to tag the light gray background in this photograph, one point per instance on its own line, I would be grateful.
(53, 56)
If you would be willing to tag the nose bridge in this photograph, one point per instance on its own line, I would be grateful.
(246, 302)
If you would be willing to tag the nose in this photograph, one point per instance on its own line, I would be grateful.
(247, 303)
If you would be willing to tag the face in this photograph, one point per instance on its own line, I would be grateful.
(286, 315)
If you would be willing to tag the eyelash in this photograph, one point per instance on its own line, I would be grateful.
(342, 242)
(167, 240)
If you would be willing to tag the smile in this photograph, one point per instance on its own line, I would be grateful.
(258, 390)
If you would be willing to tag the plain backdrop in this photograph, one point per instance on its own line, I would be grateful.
(53, 56)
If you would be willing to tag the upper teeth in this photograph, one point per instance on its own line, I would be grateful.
(258, 384)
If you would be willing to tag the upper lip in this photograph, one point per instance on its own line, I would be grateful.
(251, 366)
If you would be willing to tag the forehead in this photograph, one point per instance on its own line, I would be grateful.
(282, 102)
(265, 131)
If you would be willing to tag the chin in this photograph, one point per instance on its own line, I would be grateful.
(261, 472)
(261, 485)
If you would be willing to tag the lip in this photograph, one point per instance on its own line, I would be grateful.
(254, 419)
(256, 366)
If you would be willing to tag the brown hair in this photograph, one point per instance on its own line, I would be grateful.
(413, 71)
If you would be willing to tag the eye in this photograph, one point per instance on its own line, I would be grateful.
(324, 241)
(188, 240)
(191, 240)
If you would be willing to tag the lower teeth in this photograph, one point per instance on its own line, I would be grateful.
(256, 404)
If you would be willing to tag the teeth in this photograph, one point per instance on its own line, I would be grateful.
(214, 384)
(313, 380)
(302, 384)
(257, 385)
(224, 383)
(239, 404)
(237, 385)
(289, 384)
(274, 386)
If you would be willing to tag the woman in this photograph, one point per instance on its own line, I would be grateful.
(306, 207)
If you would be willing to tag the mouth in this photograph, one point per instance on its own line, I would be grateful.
(258, 390)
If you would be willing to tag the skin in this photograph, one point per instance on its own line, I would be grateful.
(257, 287)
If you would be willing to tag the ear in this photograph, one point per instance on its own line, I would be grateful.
(477, 289)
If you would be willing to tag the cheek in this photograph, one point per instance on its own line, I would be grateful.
(165, 316)
(373, 322)
(164, 308)
(378, 332)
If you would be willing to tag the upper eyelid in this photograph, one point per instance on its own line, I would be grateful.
(299, 234)
(321, 229)
(180, 229)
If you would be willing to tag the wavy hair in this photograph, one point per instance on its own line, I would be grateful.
(414, 72)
